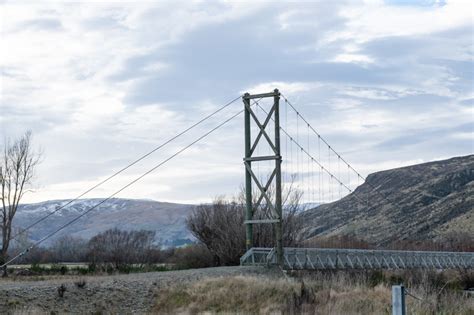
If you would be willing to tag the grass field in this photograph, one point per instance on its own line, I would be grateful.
(243, 290)
(318, 293)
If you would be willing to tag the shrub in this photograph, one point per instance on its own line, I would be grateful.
(220, 225)
(376, 277)
(192, 256)
(80, 283)
(117, 249)
(61, 290)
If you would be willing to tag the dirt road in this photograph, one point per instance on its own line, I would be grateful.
(118, 294)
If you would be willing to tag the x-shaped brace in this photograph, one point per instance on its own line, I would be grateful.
(263, 190)
(262, 128)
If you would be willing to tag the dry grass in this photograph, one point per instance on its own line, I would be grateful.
(225, 294)
(319, 293)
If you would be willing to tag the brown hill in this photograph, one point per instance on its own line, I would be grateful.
(419, 202)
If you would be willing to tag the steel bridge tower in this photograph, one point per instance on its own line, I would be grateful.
(250, 177)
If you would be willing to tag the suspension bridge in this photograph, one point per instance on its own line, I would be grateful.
(283, 152)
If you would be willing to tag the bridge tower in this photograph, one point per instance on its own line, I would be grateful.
(250, 177)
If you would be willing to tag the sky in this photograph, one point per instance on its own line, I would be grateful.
(386, 83)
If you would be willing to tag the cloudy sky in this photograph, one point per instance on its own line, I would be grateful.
(387, 83)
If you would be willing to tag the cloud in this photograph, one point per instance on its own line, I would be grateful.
(46, 24)
(386, 83)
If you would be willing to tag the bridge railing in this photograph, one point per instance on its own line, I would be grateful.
(328, 258)
(257, 256)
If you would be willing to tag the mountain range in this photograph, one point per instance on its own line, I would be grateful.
(423, 201)
(419, 202)
(167, 219)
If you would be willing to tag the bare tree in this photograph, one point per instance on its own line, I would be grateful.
(120, 249)
(69, 249)
(17, 166)
(220, 225)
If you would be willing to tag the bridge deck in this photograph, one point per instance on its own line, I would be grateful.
(328, 258)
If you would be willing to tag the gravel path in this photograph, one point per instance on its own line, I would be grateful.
(118, 294)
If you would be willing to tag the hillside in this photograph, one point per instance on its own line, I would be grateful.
(415, 203)
(167, 219)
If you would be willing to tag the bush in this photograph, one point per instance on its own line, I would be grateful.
(117, 249)
(220, 225)
(376, 277)
(80, 283)
(36, 268)
(192, 256)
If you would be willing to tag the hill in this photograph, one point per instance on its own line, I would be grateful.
(167, 219)
(418, 202)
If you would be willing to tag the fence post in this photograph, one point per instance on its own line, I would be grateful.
(398, 300)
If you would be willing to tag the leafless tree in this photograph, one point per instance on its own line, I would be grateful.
(220, 225)
(69, 249)
(192, 256)
(17, 166)
(120, 248)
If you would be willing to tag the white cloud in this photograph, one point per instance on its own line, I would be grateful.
(69, 70)
(287, 87)
(380, 20)
(356, 58)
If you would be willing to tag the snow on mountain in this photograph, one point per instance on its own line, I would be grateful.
(167, 219)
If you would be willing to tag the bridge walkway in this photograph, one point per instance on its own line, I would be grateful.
(329, 258)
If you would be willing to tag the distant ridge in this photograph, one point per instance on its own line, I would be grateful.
(417, 202)
(167, 219)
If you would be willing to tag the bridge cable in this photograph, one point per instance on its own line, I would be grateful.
(349, 177)
(328, 172)
(321, 173)
(35, 244)
(297, 149)
(127, 167)
(128, 219)
(290, 163)
(308, 173)
(342, 159)
(285, 159)
(321, 137)
(312, 180)
(330, 178)
(339, 173)
(257, 150)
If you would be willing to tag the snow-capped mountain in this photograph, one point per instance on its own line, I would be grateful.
(167, 219)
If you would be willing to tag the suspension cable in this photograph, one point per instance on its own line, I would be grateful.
(343, 160)
(317, 162)
(320, 174)
(126, 167)
(297, 150)
(120, 190)
(322, 139)
(286, 145)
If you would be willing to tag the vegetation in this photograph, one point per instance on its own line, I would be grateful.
(120, 249)
(220, 225)
(17, 165)
(319, 293)
(451, 242)
(194, 256)
(111, 251)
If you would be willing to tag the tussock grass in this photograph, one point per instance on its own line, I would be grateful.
(336, 293)
(229, 294)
